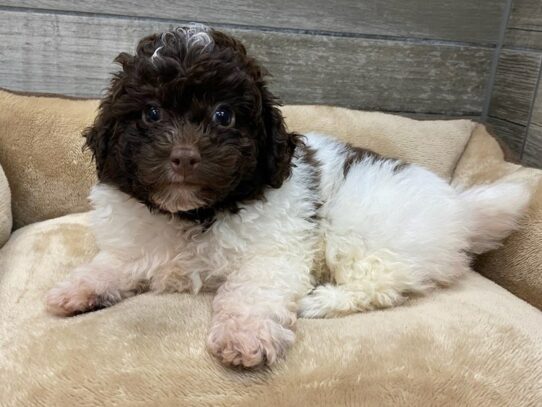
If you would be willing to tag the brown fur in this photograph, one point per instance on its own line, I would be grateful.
(309, 156)
(356, 154)
(186, 84)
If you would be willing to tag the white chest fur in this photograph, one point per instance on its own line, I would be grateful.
(280, 223)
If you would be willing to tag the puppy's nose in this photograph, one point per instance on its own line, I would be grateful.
(184, 159)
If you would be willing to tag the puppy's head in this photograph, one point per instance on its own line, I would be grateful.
(189, 123)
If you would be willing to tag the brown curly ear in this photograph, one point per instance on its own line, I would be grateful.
(280, 144)
(97, 140)
(99, 135)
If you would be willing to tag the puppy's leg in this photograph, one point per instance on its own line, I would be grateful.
(101, 283)
(364, 282)
(389, 232)
(255, 311)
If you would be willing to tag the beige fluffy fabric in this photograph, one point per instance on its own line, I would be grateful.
(40, 146)
(41, 153)
(5, 209)
(517, 266)
(435, 144)
(473, 344)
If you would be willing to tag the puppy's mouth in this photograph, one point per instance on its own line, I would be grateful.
(178, 196)
(181, 181)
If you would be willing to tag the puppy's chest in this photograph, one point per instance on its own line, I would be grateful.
(283, 223)
(214, 253)
(211, 252)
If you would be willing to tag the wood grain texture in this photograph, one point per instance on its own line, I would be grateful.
(536, 116)
(526, 14)
(515, 85)
(456, 20)
(512, 135)
(518, 38)
(532, 155)
(72, 54)
(517, 89)
(524, 28)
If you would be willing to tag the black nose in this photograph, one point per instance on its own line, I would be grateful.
(184, 159)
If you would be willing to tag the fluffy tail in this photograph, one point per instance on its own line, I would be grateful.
(494, 211)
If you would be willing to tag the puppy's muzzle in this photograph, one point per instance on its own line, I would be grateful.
(184, 160)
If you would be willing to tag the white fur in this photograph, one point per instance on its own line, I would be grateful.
(382, 233)
(193, 35)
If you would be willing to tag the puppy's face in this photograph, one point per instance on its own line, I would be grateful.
(188, 123)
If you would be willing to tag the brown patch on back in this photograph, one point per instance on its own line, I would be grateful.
(308, 155)
(357, 154)
(400, 166)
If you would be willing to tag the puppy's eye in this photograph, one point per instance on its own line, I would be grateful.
(152, 114)
(223, 116)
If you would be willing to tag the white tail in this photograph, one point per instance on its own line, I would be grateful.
(494, 211)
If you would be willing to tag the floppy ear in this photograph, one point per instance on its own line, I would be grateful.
(99, 135)
(279, 144)
(97, 140)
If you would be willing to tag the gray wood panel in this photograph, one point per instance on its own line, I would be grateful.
(456, 20)
(524, 28)
(72, 54)
(532, 156)
(526, 14)
(512, 135)
(519, 38)
(536, 116)
(515, 85)
(374, 74)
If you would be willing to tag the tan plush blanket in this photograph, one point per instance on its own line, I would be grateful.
(472, 344)
(518, 264)
(5, 208)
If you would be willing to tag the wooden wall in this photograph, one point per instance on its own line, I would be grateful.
(515, 108)
(427, 59)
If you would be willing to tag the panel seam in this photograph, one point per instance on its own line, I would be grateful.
(264, 28)
(495, 62)
(531, 108)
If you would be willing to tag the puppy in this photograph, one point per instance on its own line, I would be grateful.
(201, 187)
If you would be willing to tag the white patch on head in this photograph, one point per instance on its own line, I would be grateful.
(155, 53)
(194, 35)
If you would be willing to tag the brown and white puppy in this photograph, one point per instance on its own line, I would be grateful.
(202, 187)
(190, 108)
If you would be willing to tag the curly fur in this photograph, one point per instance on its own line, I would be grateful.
(266, 216)
(188, 72)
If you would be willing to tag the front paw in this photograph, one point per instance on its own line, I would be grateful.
(70, 298)
(248, 341)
